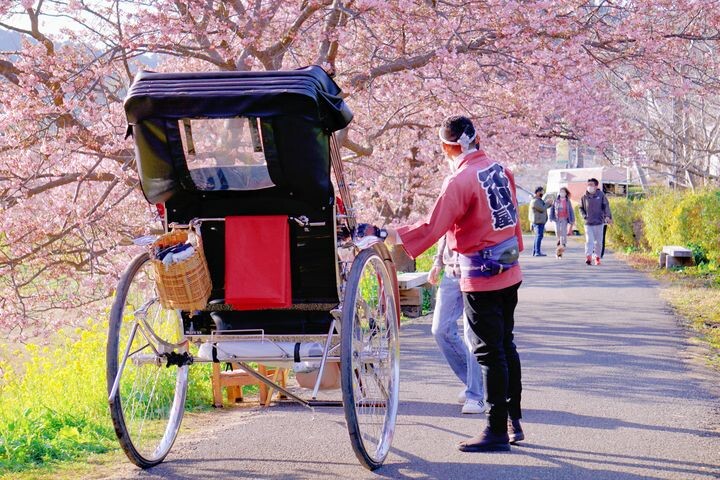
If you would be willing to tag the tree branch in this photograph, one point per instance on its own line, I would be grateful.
(279, 47)
(409, 63)
(9, 71)
(328, 48)
(360, 150)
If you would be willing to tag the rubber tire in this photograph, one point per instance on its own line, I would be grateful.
(348, 316)
(112, 353)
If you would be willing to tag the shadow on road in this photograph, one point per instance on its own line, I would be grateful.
(560, 463)
(557, 463)
(607, 396)
(569, 419)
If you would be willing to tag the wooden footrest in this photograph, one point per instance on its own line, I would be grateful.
(233, 381)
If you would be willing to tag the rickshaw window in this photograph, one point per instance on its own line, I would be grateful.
(225, 153)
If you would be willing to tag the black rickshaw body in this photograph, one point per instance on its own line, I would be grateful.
(287, 119)
(259, 260)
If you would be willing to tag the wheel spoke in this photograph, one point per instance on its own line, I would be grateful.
(149, 403)
(139, 350)
(370, 303)
(148, 406)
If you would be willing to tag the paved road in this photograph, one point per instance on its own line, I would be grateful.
(611, 391)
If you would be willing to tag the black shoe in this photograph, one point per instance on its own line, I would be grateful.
(486, 442)
(515, 431)
(541, 255)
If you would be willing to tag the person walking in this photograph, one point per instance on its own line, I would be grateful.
(595, 210)
(477, 208)
(448, 310)
(561, 212)
(539, 219)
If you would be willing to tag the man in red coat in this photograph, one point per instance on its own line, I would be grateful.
(477, 208)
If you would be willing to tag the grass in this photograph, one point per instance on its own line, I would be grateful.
(56, 409)
(114, 462)
(701, 307)
(53, 406)
(88, 468)
(693, 292)
(424, 262)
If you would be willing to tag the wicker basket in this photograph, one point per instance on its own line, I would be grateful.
(184, 285)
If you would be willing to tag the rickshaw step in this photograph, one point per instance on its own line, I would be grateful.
(325, 403)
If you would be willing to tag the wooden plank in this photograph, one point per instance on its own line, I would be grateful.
(411, 279)
(411, 296)
(403, 262)
(216, 387)
(677, 251)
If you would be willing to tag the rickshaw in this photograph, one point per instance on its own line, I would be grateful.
(239, 166)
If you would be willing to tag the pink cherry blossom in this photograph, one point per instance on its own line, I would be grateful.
(631, 79)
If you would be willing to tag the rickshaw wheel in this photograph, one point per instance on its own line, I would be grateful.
(149, 340)
(370, 357)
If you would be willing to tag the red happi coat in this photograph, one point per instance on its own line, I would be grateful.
(477, 207)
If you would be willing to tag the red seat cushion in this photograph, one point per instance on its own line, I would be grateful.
(257, 262)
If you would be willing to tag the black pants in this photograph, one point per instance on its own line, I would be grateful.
(491, 317)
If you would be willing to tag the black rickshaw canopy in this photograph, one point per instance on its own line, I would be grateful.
(296, 111)
(308, 92)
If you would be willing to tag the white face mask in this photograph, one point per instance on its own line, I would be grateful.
(591, 190)
(562, 194)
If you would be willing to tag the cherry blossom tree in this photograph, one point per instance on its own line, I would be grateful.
(525, 72)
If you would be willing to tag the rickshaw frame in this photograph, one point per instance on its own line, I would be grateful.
(374, 311)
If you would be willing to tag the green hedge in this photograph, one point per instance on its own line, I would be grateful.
(668, 217)
(627, 230)
(524, 212)
(696, 222)
(657, 217)
(579, 221)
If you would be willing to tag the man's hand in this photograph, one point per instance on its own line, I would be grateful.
(434, 275)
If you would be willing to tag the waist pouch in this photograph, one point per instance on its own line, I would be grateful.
(490, 261)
